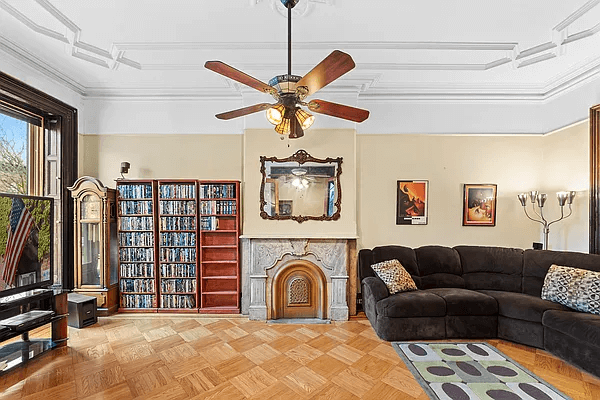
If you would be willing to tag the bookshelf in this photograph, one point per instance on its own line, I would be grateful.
(177, 247)
(137, 250)
(219, 246)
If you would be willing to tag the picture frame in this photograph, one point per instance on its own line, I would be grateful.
(412, 202)
(285, 207)
(479, 204)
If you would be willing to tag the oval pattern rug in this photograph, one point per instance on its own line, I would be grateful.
(472, 371)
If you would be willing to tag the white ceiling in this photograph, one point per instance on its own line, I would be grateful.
(508, 49)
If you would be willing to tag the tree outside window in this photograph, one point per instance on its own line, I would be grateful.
(13, 155)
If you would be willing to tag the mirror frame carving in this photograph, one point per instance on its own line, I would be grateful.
(301, 157)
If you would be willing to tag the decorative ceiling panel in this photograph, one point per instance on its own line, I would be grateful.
(402, 49)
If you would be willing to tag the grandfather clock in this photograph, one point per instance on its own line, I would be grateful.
(96, 243)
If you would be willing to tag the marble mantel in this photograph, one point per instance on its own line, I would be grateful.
(264, 256)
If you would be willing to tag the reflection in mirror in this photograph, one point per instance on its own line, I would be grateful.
(300, 187)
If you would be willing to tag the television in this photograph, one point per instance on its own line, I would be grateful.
(26, 243)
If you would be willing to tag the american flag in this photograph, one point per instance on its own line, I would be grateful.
(20, 223)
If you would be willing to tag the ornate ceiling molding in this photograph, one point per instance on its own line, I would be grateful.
(301, 9)
(365, 80)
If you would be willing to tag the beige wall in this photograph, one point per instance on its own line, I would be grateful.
(318, 143)
(448, 162)
(372, 165)
(161, 156)
(566, 167)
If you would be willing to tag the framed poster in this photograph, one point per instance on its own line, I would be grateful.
(479, 205)
(411, 204)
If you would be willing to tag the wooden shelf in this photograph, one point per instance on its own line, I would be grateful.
(182, 293)
(136, 199)
(137, 262)
(219, 293)
(136, 215)
(144, 293)
(219, 262)
(220, 277)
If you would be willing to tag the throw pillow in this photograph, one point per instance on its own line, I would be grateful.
(575, 288)
(395, 277)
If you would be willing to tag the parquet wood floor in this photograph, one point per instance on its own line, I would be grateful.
(168, 356)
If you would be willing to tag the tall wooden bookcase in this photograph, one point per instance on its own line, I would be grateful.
(219, 246)
(178, 230)
(179, 245)
(137, 244)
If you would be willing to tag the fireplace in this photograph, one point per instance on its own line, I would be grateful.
(298, 278)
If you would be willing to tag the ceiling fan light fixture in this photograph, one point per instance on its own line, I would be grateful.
(306, 119)
(283, 127)
(275, 114)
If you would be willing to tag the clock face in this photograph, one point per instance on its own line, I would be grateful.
(90, 207)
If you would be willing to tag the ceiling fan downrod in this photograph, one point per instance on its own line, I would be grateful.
(289, 7)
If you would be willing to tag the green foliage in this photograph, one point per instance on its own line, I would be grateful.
(40, 211)
(5, 205)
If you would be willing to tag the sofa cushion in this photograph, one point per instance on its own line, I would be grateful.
(419, 303)
(581, 326)
(406, 256)
(491, 268)
(439, 267)
(395, 277)
(466, 302)
(575, 288)
(537, 262)
(522, 306)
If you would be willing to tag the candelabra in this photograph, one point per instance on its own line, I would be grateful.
(564, 198)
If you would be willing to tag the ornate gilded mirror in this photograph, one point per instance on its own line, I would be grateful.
(300, 187)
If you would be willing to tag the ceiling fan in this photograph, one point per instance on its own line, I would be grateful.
(290, 91)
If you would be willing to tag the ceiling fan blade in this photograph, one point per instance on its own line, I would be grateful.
(338, 110)
(240, 112)
(237, 75)
(332, 67)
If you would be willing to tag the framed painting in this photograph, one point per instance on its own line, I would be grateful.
(411, 202)
(285, 207)
(479, 205)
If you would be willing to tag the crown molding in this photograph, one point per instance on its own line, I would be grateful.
(171, 94)
(40, 66)
(364, 81)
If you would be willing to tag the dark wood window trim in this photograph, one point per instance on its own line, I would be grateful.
(28, 98)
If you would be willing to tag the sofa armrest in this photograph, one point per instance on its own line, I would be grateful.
(373, 290)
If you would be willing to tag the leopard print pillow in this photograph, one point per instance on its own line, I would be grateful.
(395, 277)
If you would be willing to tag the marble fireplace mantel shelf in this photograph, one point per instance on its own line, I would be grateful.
(299, 236)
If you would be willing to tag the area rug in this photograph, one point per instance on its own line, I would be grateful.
(470, 371)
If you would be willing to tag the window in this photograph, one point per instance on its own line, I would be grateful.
(21, 152)
(52, 159)
(13, 155)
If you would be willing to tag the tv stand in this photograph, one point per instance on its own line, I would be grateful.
(23, 313)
